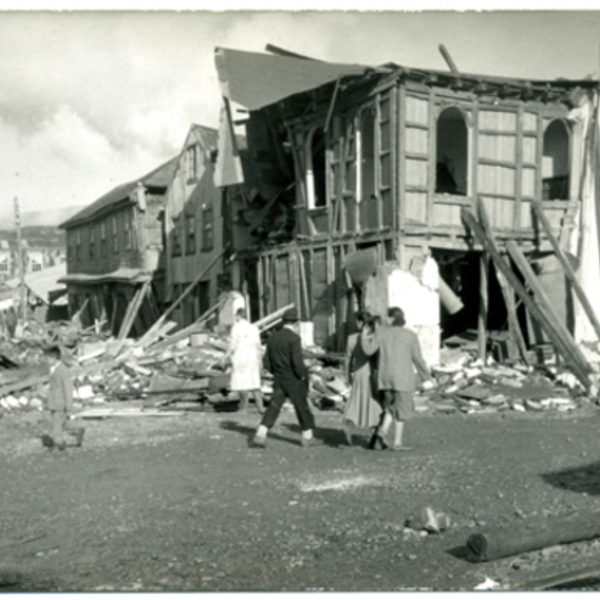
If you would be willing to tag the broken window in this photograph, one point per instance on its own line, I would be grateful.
(451, 153)
(315, 169)
(555, 161)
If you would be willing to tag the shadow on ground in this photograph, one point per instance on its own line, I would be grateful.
(584, 479)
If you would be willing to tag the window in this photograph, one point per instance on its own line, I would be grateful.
(4, 265)
(190, 234)
(176, 237)
(368, 210)
(128, 230)
(115, 237)
(78, 245)
(207, 229)
(35, 265)
(315, 169)
(555, 162)
(451, 154)
(70, 247)
(192, 163)
(92, 240)
(103, 238)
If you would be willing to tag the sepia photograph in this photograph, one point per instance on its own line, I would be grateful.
(299, 299)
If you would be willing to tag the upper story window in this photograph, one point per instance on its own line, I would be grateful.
(366, 152)
(176, 237)
(71, 245)
(191, 158)
(128, 230)
(556, 161)
(5, 265)
(103, 238)
(315, 168)
(207, 228)
(92, 241)
(190, 234)
(78, 245)
(36, 265)
(451, 153)
(115, 237)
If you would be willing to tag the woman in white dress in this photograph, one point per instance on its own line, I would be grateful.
(245, 353)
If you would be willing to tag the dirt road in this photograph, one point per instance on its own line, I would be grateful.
(182, 503)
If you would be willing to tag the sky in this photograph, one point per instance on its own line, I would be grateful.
(93, 99)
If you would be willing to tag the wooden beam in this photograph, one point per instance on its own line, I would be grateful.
(564, 261)
(544, 301)
(531, 305)
(514, 328)
(184, 294)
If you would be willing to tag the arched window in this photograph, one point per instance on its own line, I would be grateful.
(315, 168)
(555, 161)
(452, 153)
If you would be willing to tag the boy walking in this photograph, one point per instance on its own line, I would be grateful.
(60, 400)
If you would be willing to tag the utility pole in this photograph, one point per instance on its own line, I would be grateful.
(21, 270)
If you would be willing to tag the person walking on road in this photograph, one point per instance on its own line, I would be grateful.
(362, 408)
(283, 358)
(399, 353)
(245, 353)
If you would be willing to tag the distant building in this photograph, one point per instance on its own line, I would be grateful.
(114, 246)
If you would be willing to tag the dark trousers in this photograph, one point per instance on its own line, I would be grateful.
(296, 391)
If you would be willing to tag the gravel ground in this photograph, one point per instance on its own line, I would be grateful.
(181, 503)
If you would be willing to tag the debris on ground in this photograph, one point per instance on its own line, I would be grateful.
(185, 369)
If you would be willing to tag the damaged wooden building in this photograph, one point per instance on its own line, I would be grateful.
(361, 167)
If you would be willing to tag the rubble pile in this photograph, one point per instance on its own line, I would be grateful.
(187, 372)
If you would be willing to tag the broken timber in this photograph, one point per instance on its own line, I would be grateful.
(568, 269)
(581, 371)
(152, 331)
(513, 323)
(543, 300)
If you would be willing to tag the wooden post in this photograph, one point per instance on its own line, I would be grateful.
(509, 300)
(564, 261)
(483, 306)
(489, 244)
(21, 265)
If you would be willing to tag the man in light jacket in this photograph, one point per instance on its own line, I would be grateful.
(399, 354)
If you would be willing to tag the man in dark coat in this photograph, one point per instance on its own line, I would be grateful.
(283, 358)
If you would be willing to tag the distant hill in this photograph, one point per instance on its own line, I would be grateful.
(41, 218)
(49, 237)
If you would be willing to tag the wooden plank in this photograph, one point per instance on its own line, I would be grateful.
(184, 295)
(513, 322)
(128, 324)
(545, 303)
(274, 316)
(531, 305)
(518, 182)
(564, 261)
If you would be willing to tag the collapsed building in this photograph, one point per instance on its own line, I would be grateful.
(368, 171)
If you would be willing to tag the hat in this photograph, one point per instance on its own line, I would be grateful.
(290, 316)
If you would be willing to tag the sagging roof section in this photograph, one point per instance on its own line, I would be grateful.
(256, 80)
(158, 178)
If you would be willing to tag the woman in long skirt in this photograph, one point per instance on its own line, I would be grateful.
(362, 409)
